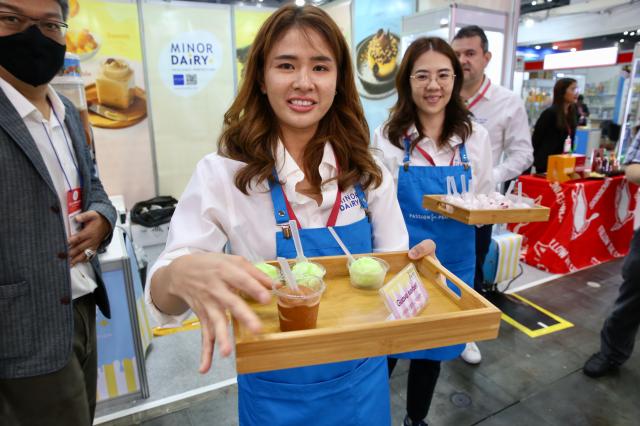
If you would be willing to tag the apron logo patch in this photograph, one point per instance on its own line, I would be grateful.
(348, 201)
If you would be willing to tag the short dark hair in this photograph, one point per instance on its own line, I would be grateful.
(64, 5)
(473, 31)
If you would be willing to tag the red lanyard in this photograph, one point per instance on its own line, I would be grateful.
(428, 157)
(333, 216)
(480, 96)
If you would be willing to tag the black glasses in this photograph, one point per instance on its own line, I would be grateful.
(16, 22)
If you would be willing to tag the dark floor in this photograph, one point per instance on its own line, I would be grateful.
(521, 381)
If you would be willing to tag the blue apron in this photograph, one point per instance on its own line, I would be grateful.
(455, 241)
(349, 393)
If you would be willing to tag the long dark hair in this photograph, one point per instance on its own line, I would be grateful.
(250, 133)
(457, 120)
(570, 117)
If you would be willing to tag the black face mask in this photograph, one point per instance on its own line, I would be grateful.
(31, 56)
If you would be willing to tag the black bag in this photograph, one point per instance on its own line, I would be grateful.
(153, 212)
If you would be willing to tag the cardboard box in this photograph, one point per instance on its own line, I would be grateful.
(564, 167)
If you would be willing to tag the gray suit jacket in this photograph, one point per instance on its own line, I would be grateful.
(36, 313)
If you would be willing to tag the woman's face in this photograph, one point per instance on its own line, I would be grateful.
(300, 77)
(571, 95)
(431, 83)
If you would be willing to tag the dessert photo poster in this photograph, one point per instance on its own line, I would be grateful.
(189, 57)
(377, 27)
(106, 37)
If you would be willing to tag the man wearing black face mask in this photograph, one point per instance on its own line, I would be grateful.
(55, 216)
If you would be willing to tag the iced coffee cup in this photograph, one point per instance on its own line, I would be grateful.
(298, 309)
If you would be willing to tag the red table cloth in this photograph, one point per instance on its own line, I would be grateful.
(591, 222)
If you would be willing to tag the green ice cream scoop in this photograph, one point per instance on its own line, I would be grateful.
(270, 270)
(301, 269)
(367, 272)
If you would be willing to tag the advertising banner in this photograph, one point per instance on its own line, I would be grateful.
(340, 12)
(106, 37)
(190, 69)
(377, 26)
(247, 22)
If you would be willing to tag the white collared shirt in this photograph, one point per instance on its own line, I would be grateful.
(503, 114)
(49, 134)
(477, 146)
(213, 212)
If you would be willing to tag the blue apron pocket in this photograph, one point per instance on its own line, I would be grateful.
(360, 396)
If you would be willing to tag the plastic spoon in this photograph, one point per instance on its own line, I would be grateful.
(341, 244)
(300, 257)
(288, 275)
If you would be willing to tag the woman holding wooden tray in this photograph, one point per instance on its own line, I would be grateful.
(295, 145)
(430, 136)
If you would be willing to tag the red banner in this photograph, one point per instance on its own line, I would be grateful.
(591, 222)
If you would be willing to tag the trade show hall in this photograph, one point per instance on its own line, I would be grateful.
(319, 212)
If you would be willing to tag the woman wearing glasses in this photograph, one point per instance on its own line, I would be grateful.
(428, 137)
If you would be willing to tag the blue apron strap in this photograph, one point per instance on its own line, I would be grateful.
(464, 159)
(363, 199)
(407, 152)
(279, 205)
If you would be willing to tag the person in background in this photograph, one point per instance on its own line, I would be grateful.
(55, 216)
(430, 136)
(618, 334)
(503, 114)
(582, 110)
(555, 124)
(295, 146)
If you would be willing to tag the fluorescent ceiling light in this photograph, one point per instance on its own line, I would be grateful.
(299, 2)
(529, 22)
(581, 59)
(534, 2)
(554, 47)
(538, 47)
(621, 40)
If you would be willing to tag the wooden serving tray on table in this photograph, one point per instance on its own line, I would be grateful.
(352, 323)
(436, 203)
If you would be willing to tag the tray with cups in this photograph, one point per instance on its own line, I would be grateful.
(343, 313)
(475, 208)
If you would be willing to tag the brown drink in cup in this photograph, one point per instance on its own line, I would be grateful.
(298, 309)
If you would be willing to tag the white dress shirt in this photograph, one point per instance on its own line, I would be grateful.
(477, 146)
(502, 112)
(49, 134)
(213, 212)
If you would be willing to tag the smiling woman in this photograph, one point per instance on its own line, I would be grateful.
(428, 139)
(294, 153)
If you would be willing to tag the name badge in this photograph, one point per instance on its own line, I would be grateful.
(74, 208)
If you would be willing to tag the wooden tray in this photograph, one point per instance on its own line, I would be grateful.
(352, 323)
(135, 113)
(436, 203)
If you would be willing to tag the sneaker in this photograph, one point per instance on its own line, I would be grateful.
(598, 365)
(471, 354)
(408, 422)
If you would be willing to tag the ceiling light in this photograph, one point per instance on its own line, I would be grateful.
(625, 33)
(529, 22)
(534, 2)
(554, 47)
(621, 40)
(299, 2)
(538, 47)
(549, 1)
(632, 33)
(444, 21)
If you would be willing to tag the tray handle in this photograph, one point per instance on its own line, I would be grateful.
(434, 270)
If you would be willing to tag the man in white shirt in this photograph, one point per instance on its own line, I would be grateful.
(56, 215)
(502, 112)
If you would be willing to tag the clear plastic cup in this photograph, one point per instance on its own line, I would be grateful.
(298, 309)
(367, 272)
